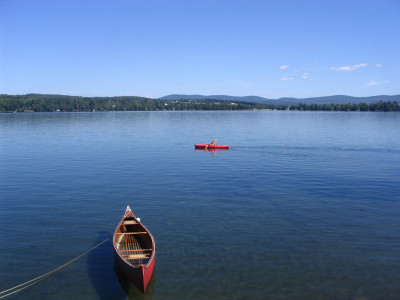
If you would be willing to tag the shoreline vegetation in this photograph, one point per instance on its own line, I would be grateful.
(61, 103)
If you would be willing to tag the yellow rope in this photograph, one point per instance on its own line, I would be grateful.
(44, 276)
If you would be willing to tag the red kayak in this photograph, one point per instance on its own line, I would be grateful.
(135, 250)
(210, 146)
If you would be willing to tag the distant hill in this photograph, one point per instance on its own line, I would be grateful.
(218, 97)
(64, 103)
(337, 99)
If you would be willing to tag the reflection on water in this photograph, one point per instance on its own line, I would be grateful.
(212, 151)
(130, 289)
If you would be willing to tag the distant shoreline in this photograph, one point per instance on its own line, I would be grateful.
(60, 103)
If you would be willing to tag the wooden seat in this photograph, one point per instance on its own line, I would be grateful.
(130, 222)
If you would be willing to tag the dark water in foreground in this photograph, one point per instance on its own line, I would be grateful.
(305, 205)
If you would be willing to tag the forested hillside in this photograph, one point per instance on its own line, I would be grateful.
(62, 103)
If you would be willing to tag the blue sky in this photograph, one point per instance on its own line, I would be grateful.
(153, 48)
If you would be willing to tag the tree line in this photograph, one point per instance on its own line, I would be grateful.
(60, 103)
(379, 106)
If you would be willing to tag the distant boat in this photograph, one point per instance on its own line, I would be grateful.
(210, 146)
(135, 250)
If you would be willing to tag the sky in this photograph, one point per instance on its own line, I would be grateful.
(149, 48)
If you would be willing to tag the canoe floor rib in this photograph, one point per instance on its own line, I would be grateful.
(132, 245)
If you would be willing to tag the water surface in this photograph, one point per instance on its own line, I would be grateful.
(305, 205)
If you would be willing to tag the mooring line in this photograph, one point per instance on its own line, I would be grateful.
(36, 280)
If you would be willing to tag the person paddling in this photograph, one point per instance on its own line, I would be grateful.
(213, 142)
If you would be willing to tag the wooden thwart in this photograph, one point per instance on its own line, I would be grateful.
(136, 256)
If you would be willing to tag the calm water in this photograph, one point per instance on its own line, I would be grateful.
(305, 205)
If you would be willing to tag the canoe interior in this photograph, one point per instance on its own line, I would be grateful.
(133, 242)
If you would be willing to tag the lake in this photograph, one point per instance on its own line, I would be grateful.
(304, 205)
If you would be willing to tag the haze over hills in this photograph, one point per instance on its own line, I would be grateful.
(337, 99)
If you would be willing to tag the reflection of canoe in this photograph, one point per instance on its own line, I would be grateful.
(135, 250)
(210, 146)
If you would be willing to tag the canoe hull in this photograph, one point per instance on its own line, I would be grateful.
(136, 264)
(210, 146)
(139, 276)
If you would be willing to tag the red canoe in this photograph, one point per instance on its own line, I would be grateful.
(135, 250)
(210, 146)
